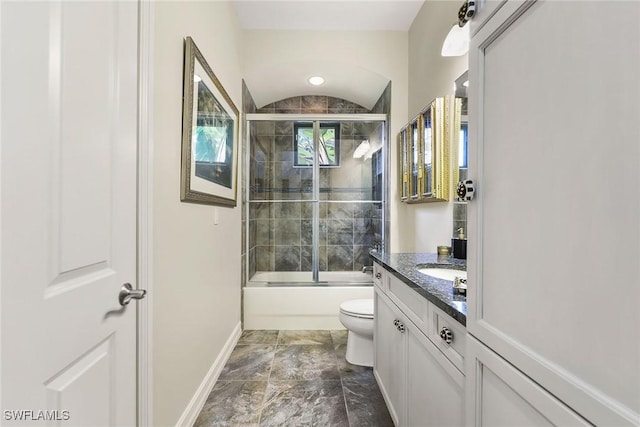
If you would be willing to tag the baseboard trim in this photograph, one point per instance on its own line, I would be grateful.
(196, 404)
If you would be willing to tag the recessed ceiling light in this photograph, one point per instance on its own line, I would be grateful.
(316, 80)
(197, 78)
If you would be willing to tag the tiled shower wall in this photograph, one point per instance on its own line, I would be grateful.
(280, 233)
(248, 106)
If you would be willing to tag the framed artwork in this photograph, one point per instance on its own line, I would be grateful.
(209, 135)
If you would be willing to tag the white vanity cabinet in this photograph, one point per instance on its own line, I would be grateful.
(421, 386)
(501, 395)
(552, 260)
(389, 357)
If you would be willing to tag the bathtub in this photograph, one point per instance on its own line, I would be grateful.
(287, 300)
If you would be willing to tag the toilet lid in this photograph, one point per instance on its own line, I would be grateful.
(358, 307)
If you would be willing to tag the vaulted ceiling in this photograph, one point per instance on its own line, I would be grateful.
(285, 74)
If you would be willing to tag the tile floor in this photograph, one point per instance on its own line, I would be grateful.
(294, 378)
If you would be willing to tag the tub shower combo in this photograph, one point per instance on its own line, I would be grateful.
(316, 195)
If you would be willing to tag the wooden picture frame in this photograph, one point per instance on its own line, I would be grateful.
(210, 126)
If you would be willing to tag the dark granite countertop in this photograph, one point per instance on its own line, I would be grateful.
(438, 291)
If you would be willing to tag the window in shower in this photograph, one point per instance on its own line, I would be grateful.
(328, 144)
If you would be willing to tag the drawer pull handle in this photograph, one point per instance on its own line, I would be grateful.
(446, 335)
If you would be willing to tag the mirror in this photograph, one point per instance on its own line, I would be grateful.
(460, 145)
(404, 164)
(416, 177)
(424, 155)
(461, 130)
(429, 150)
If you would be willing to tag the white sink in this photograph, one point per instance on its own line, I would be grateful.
(444, 273)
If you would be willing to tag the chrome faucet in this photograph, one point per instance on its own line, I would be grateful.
(367, 268)
(460, 286)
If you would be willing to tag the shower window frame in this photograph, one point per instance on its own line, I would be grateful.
(306, 125)
(316, 119)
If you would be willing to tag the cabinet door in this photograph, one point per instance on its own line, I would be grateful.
(435, 388)
(389, 360)
(553, 233)
(500, 395)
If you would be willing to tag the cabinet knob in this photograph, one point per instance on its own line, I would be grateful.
(378, 275)
(395, 323)
(446, 335)
(465, 190)
(400, 327)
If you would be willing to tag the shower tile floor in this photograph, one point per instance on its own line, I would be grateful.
(294, 378)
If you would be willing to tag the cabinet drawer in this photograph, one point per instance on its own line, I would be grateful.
(456, 348)
(414, 305)
(379, 274)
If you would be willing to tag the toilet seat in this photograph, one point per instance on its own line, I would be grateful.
(362, 308)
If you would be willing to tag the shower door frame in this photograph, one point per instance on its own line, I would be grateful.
(316, 119)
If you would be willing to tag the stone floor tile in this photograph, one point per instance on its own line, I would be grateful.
(304, 362)
(304, 403)
(259, 337)
(365, 404)
(249, 362)
(233, 403)
(304, 337)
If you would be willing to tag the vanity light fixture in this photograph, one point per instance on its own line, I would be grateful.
(316, 80)
(457, 41)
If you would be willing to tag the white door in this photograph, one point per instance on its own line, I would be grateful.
(68, 212)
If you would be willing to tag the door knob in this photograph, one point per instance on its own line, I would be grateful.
(127, 293)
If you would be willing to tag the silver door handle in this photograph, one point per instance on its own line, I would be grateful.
(127, 293)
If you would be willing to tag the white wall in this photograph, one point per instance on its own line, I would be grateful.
(425, 226)
(196, 263)
(381, 52)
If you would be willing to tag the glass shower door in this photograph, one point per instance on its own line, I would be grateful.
(350, 202)
(315, 199)
(280, 206)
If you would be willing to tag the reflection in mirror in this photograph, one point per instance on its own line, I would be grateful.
(415, 160)
(404, 164)
(428, 141)
(460, 148)
(461, 123)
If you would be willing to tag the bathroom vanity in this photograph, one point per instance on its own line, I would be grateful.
(419, 339)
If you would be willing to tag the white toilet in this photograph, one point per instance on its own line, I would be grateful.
(357, 316)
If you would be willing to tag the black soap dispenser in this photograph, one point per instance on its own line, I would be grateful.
(459, 245)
